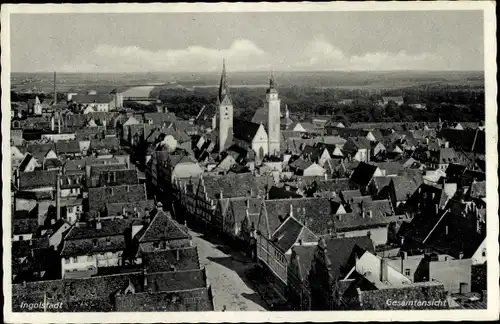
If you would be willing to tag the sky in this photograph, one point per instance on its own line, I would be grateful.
(261, 41)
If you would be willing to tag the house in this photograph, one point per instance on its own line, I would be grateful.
(317, 154)
(87, 247)
(329, 265)
(357, 148)
(274, 251)
(371, 283)
(95, 103)
(70, 148)
(37, 181)
(306, 168)
(24, 224)
(207, 117)
(159, 118)
(454, 274)
(28, 163)
(99, 197)
(398, 100)
(131, 291)
(160, 234)
(375, 219)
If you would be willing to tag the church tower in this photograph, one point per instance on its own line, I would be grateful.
(272, 104)
(225, 107)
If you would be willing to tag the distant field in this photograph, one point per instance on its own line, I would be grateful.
(323, 80)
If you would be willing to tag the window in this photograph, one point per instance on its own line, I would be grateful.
(94, 242)
(484, 252)
(89, 257)
(66, 260)
(407, 272)
(74, 259)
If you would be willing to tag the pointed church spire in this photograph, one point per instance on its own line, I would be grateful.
(223, 88)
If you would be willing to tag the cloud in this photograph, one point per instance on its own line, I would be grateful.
(245, 55)
(322, 55)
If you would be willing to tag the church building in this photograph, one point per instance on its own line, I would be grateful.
(263, 138)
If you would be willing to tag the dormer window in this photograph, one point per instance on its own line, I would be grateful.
(94, 242)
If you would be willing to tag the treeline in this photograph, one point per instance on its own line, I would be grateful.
(448, 103)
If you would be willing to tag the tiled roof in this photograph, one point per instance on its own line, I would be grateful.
(391, 168)
(363, 174)
(99, 197)
(160, 118)
(40, 150)
(244, 130)
(239, 206)
(163, 228)
(118, 177)
(405, 186)
(290, 232)
(305, 254)
(301, 164)
(306, 210)
(113, 227)
(140, 206)
(95, 180)
(67, 147)
(361, 142)
(236, 185)
(281, 192)
(198, 299)
(172, 260)
(378, 208)
(107, 143)
(37, 179)
(348, 195)
(340, 250)
(52, 164)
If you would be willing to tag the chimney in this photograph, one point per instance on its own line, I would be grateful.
(59, 124)
(221, 194)
(159, 206)
(383, 270)
(326, 176)
(291, 210)
(55, 92)
(58, 196)
(52, 123)
(460, 255)
(370, 214)
(177, 256)
(144, 273)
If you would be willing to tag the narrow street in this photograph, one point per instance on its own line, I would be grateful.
(225, 269)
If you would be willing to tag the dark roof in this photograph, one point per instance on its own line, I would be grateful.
(291, 232)
(172, 260)
(236, 185)
(281, 192)
(118, 177)
(99, 197)
(305, 254)
(107, 143)
(67, 147)
(163, 228)
(140, 206)
(40, 150)
(405, 186)
(52, 163)
(37, 179)
(340, 250)
(306, 210)
(244, 130)
(391, 168)
(301, 164)
(159, 118)
(363, 174)
(467, 140)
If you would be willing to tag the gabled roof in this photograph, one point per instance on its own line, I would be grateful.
(98, 197)
(363, 174)
(67, 147)
(244, 130)
(340, 251)
(405, 186)
(163, 228)
(37, 179)
(291, 232)
(305, 254)
(478, 189)
(236, 185)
